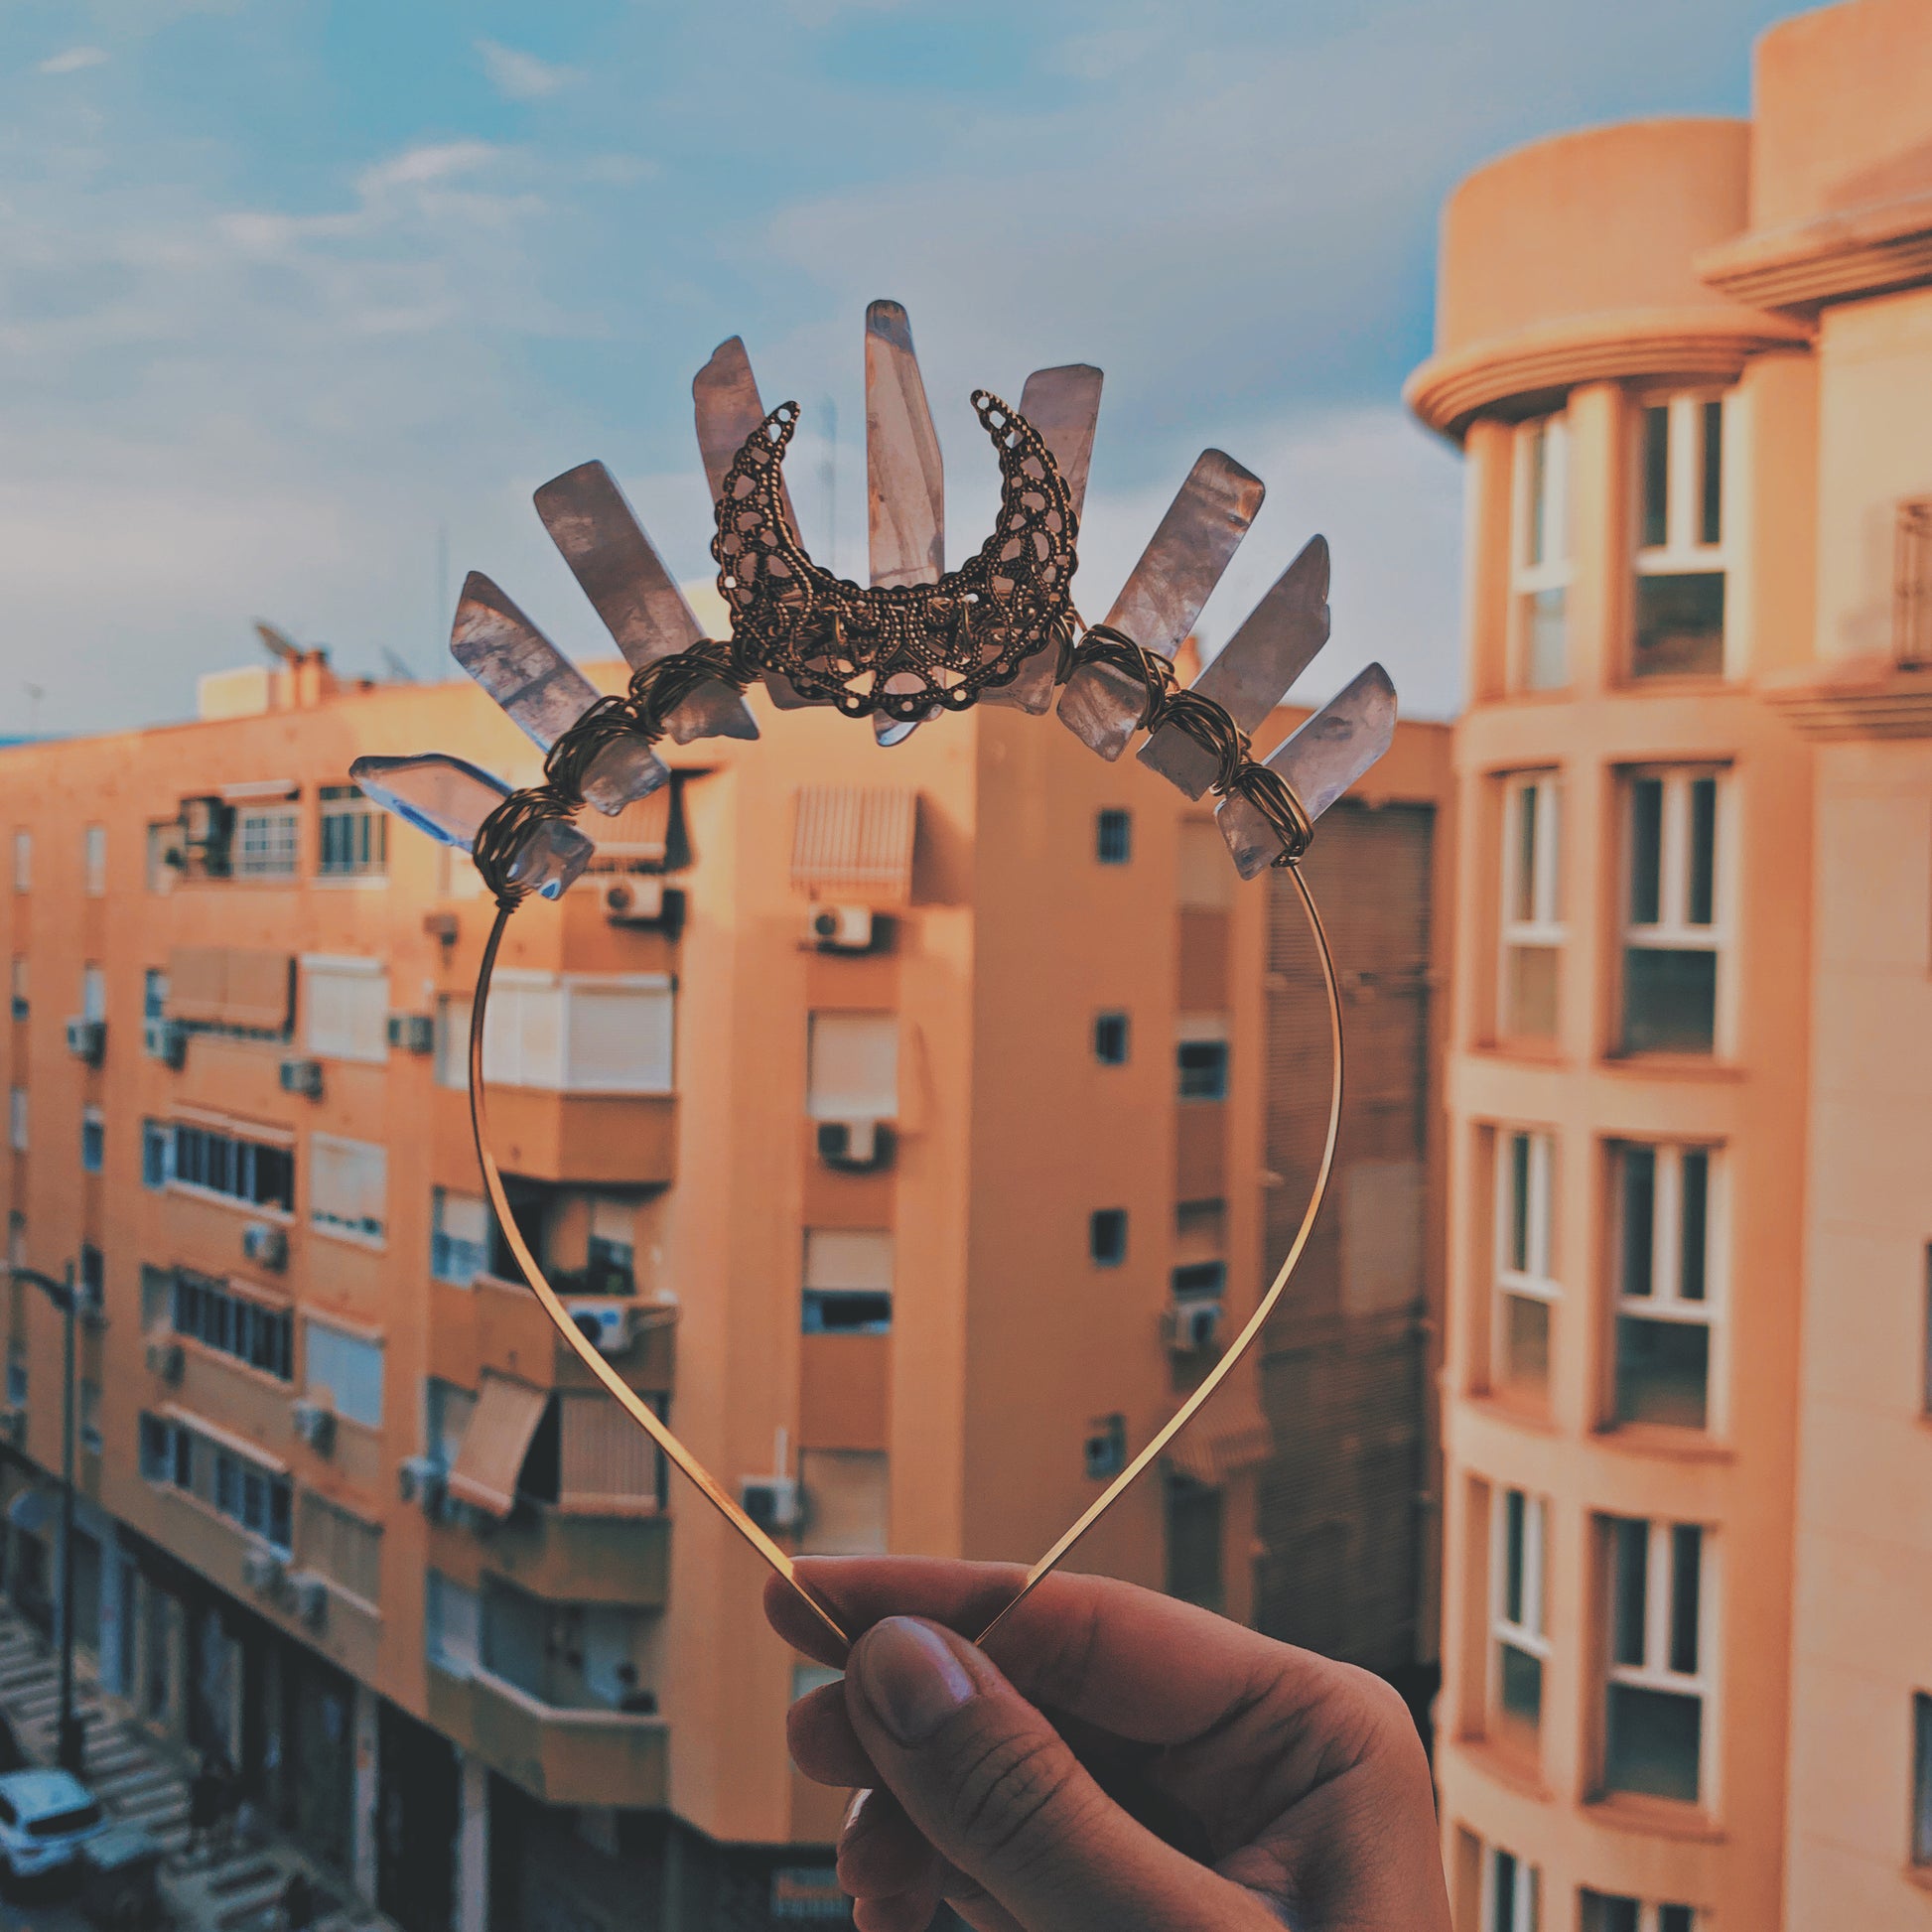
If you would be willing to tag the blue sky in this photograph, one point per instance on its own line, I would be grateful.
(288, 289)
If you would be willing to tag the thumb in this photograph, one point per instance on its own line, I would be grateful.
(999, 1794)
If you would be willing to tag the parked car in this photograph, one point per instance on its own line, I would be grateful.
(46, 1818)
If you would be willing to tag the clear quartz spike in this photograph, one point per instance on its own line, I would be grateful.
(620, 571)
(450, 798)
(1063, 404)
(542, 692)
(725, 397)
(1321, 760)
(1162, 596)
(1255, 668)
(906, 480)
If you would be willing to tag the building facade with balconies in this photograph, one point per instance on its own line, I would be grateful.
(1690, 366)
(902, 1125)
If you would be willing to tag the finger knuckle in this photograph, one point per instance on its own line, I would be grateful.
(1007, 1791)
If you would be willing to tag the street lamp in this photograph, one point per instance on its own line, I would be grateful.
(70, 1749)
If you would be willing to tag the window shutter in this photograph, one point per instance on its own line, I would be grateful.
(854, 1066)
(344, 1370)
(849, 1258)
(620, 1040)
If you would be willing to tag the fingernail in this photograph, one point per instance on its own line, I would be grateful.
(913, 1682)
(852, 1812)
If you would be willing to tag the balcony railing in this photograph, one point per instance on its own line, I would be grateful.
(567, 1557)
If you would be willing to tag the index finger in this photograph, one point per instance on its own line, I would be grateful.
(1139, 1664)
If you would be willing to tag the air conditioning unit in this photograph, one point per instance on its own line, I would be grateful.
(13, 1425)
(419, 1479)
(636, 900)
(442, 926)
(1192, 1327)
(266, 1245)
(165, 1040)
(87, 1039)
(771, 1502)
(166, 1360)
(262, 1571)
(840, 928)
(311, 1595)
(302, 1076)
(610, 1326)
(856, 1146)
(315, 1423)
(412, 1033)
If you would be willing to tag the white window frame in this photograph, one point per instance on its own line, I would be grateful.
(1536, 1280)
(1530, 575)
(326, 1224)
(1654, 1673)
(1671, 929)
(1529, 1634)
(17, 1119)
(1527, 1913)
(1543, 926)
(440, 1198)
(319, 969)
(508, 1060)
(94, 992)
(276, 832)
(1684, 551)
(93, 860)
(1666, 1300)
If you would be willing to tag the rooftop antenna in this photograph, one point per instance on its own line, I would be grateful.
(277, 642)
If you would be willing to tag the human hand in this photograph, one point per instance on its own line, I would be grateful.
(1130, 1764)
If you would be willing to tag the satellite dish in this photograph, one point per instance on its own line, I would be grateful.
(278, 642)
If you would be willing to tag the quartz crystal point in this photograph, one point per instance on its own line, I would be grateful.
(543, 691)
(905, 478)
(1255, 668)
(1063, 404)
(624, 577)
(450, 799)
(724, 397)
(1321, 761)
(1158, 604)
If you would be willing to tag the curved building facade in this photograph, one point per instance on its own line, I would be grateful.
(1690, 366)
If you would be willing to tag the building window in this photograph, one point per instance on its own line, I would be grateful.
(1201, 1060)
(19, 986)
(94, 993)
(157, 1299)
(348, 1186)
(1107, 1236)
(266, 841)
(1197, 1280)
(1665, 1212)
(447, 1410)
(1515, 1888)
(93, 860)
(586, 1033)
(346, 1007)
(16, 1238)
(93, 1140)
(1533, 931)
(1654, 1713)
(1195, 1542)
(1542, 565)
(458, 1237)
(90, 1417)
(1673, 912)
(22, 861)
(343, 1547)
(157, 1154)
(258, 1334)
(355, 834)
(452, 1625)
(1516, 1622)
(1911, 638)
(1925, 1367)
(1110, 1039)
(1606, 1914)
(154, 994)
(1104, 1452)
(1921, 1776)
(1113, 843)
(1681, 556)
(16, 1375)
(1526, 1292)
(610, 1247)
(342, 1371)
(848, 1281)
(251, 1495)
(252, 1172)
(93, 1279)
(847, 1496)
(17, 1119)
(852, 1067)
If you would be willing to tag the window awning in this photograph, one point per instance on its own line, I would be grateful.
(855, 842)
(251, 790)
(244, 1447)
(1231, 1436)
(494, 1443)
(639, 835)
(230, 986)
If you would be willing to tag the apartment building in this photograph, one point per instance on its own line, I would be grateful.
(1688, 1674)
(909, 1124)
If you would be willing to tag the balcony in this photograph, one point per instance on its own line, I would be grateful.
(593, 1138)
(611, 1758)
(565, 1557)
(500, 1325)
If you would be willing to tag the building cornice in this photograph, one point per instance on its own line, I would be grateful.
(1697, 344)
(1862, 251)
(1869, 697)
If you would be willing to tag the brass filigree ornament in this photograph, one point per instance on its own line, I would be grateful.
(1001, 628)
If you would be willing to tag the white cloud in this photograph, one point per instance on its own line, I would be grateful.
(521, 77)
(74, 60)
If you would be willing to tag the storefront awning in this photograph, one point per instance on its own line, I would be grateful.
(1231, 1436)
(495, 1441)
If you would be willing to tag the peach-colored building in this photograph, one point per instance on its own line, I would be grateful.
(901, 1120)
(1688, 1655)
